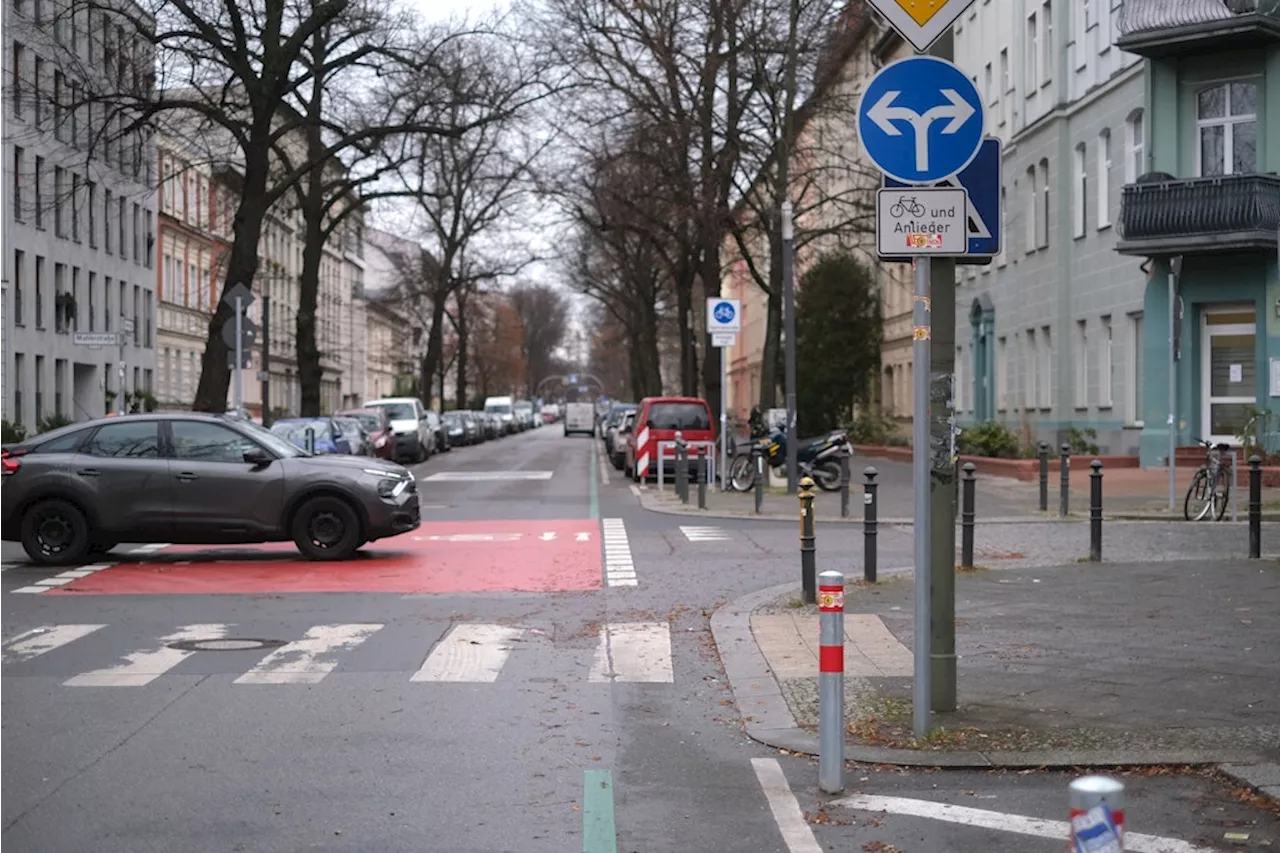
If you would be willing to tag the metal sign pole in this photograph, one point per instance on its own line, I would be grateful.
(724, 420)
(239, 398)
(922, 528)
(1173, 384)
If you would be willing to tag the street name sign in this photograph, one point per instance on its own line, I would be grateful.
(723, 339)
(921, 221)
(723, 315)
(96, 339)
(981, 180)
(921, 22)
(921, 120)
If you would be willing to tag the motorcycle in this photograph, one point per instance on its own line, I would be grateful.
(818, 458)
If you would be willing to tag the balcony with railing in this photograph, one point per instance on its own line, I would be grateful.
(1159, 28)
(1165, 215)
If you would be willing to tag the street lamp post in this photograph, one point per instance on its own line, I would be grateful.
(789, 307)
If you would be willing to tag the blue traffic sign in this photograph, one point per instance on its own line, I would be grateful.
(724, 313)
(921, 120)
(982, 180)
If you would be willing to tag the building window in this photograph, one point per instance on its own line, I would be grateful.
(1031, 209)
(75, 299)
(59, 285)
(93, 309)
(1002, 374)
(1102, 182)
(91, 206)
(1134, 373)
(75, 207)
(151, 241)
(106, 303)
(19, 155)
(1106, 366)
(39, 387)
(39, 305)
(1006, 86)
(1080, 192)
(1134, 147)
(1044, 383)
(1030, 371)
(19, 271)
(137, 233)
(1227, 127)
(37, 86)
(58, 181)
(18, 55)
(150, 308)
(19, 367)
(1082, 364)
(106, 220)
(1044, 204)
(137, 315)
(1032, 57)
(59, 115)
(1046, 43)
(122, 209)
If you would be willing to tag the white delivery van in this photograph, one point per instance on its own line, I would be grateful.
(503, 408)
(580, 418)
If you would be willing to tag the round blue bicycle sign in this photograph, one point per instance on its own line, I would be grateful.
(723, 313)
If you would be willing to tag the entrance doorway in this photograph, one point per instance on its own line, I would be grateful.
(1228, 372)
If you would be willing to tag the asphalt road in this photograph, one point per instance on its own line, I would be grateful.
(530, 671)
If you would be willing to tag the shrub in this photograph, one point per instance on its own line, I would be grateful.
(1081, 441)
(51, 422)
(11, 433)
(873, 428)
(993, 440)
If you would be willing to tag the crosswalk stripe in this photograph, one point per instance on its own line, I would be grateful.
(469, 652)
(142, 667)
(633, 652)
(309, 660)
(619, 570)
(46, 638)
(704, 534)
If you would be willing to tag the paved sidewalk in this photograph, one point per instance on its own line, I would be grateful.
(1118, 664)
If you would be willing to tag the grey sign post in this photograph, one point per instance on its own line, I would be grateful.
(238, 334)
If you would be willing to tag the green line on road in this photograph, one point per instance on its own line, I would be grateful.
(599, 835)
(593, 474)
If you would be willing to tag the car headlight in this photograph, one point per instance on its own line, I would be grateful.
(390, 484)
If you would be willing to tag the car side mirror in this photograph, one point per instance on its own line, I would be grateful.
(257, 457)
(649, 423)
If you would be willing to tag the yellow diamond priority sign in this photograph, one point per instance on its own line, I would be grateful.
(921, 22)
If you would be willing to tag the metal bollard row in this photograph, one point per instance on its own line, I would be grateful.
(1255, 507)
(1064, 481)
(1095, 512)
(1044, 476)
(966, 515)
(682, 469)
(758, 453)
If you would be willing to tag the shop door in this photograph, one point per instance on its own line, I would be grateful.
(1228, 363)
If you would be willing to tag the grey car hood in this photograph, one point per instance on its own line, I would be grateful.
(337, 464)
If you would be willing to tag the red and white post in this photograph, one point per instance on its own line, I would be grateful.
(831, 682)
(1097, 815)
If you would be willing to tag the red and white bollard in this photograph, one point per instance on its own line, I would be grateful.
(831, 682)
(1097, 815)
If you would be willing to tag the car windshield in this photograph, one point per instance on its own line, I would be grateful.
(498, 410)
(398, 411)
(270, 440)
(349, 426)
(296, 431)
(368, 420)
(691, 416)
(452, 418)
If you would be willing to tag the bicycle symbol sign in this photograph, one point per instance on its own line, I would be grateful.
(907, 206)
(724, 313)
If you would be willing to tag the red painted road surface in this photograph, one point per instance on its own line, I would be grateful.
(458, 556)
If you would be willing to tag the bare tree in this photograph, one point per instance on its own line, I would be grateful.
(544, 317)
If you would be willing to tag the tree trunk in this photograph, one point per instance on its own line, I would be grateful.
(769, 359)
(460, 387)
(313, 210)
(709, 272)
(435, 342)
(646, 344)
(242, 266)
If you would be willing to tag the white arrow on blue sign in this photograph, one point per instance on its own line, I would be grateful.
(921, 120)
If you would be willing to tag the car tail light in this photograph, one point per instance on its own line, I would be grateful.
(9, 462)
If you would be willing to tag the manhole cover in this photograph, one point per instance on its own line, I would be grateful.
(226, 644)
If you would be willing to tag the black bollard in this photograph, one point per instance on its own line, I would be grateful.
(869, 524)
(808, 559)
(1095, 512)
(1044, 476)
(702, 478)
(844, 483)
(1064, 475)
(311, 440)
(1255, 507)
(758, 457)
(966, 516)
(682, 471)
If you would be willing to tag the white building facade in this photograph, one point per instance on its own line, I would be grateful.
(79, 216)
(1047, 336)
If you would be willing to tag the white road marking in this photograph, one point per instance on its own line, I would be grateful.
(46, 638)
(482, 476)
(470, 652)
(547, 537)
(704, 534)
(470, 537)
(604, 472)
(794, 829)
(31, 590)
(309, 660)
(619, 570)
(635, 490)
(149, 548)
(142, 667)
(633, 652)
(582, 537)
(1000, 821)
(54, 581)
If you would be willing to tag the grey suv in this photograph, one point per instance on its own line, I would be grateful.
(192, 478)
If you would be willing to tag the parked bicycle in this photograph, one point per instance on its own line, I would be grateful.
(1210, 488)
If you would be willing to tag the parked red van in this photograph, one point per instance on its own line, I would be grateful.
(658, 419)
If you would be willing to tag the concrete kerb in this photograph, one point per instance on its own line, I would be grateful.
(768, 719)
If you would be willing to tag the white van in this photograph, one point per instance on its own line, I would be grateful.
(503, 408)
(580, 417)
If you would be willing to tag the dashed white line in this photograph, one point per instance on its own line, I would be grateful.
(309, 660)
(633, 652)
(1000, 821)
(63, 578)
(149, 548)
(143, 667)
(604, 472)
(38, 641)
(619, 569)
(704, 534)
(470, 652)
(795, 830)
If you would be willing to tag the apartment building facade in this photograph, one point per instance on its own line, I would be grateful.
(1204, 220)
(1049, 336)
(78, 247)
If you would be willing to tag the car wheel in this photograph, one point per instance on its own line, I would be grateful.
(55, 532)
(617, 461)
(326, 528)
(420, 455)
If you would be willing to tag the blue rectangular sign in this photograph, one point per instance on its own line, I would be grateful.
(982, 179)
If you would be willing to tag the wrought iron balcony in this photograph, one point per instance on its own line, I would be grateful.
(1197, 215)
(1158, 28)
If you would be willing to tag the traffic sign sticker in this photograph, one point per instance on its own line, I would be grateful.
(921, 120)
(1095, 831)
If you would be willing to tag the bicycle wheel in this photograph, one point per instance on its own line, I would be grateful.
(1221, 494)
(742, 473)
(1199, 500)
